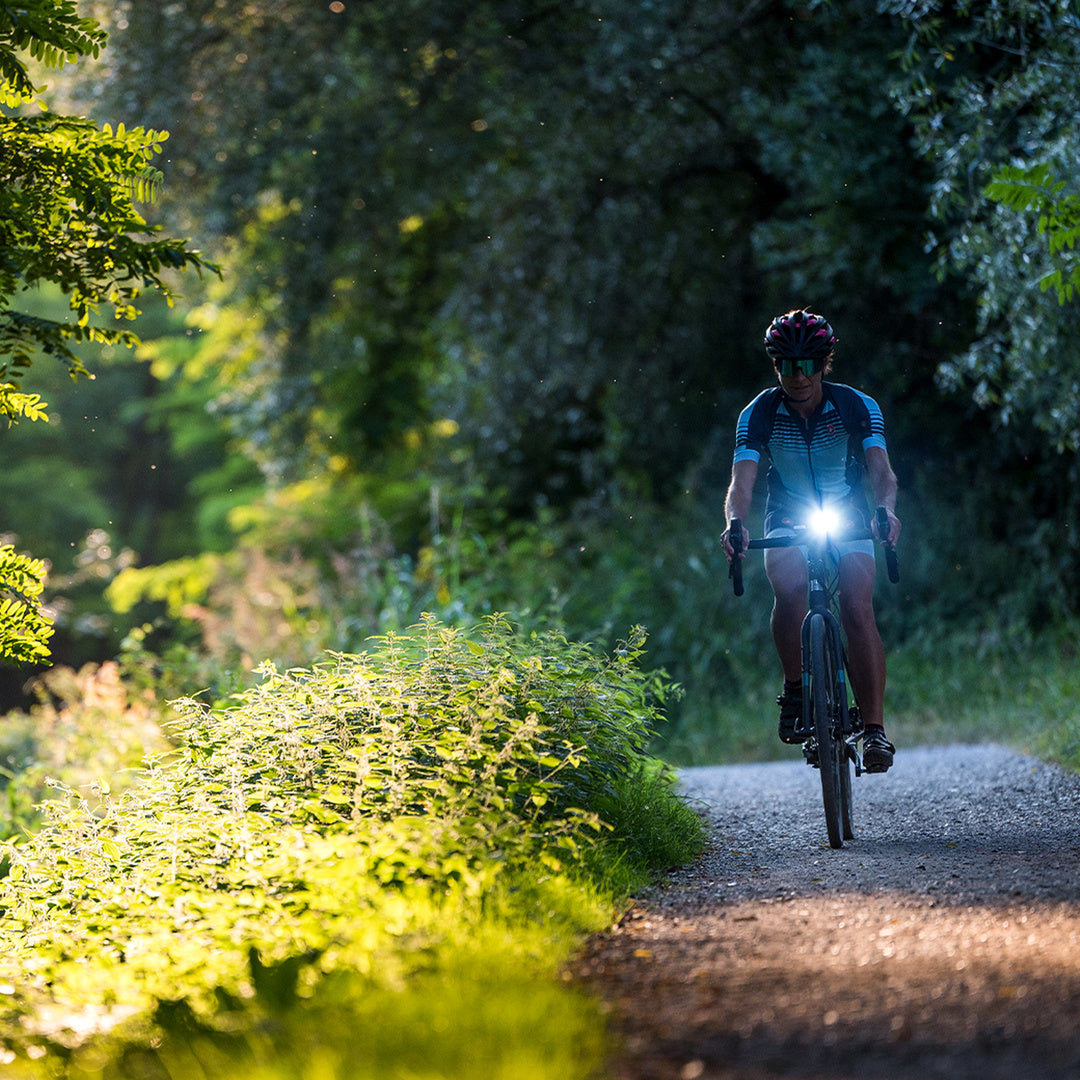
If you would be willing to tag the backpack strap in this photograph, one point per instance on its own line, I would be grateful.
(760, 428)
(854, 415)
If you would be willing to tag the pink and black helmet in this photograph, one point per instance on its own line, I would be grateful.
(798, 335)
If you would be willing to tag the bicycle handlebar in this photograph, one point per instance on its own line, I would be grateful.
(735, 535)
(735, 567)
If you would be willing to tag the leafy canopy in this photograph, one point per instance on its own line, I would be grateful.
(67, 219)
(991, 93)
(52, 32)
(67, 208)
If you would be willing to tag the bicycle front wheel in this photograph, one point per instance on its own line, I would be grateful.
(824, 697)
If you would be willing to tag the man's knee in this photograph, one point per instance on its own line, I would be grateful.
(857, 616)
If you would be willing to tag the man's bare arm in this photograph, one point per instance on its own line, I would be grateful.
(884, 485)
(740, 495)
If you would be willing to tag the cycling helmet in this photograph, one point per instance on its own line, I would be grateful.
(798, 335)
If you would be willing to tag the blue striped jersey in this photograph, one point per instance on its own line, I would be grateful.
(812, 461)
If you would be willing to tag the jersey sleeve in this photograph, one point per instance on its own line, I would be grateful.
(876, 436)
(745, 450)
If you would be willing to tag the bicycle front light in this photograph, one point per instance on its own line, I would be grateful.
(825, 521)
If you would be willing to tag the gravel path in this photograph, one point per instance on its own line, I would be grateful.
(943, 941)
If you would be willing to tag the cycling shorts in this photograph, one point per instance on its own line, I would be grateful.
(776, 524)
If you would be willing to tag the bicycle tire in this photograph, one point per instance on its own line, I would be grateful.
(831, 753)
(847, 728)
(836, 662)
(847, 802)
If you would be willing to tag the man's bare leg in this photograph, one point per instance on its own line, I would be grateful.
(866, 653)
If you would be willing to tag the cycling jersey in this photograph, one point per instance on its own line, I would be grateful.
(813, 461)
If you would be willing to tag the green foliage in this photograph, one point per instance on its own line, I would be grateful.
(82, 726)
(52, 32)
(135, 453)
(24, 628)
(313, 570)
(15, 405)
(542, 255)
(67, 219)
(66, 190)
(66, 196)
(661, 831)
(1035, 189)
(992, 113)
(430, 814)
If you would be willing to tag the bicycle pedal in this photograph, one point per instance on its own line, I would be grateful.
(810, 753)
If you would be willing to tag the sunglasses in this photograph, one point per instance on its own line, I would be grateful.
(804, 365)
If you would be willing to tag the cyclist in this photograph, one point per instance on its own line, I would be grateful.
(819, 438)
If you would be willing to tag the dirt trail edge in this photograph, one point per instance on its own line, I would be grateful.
(944, 941)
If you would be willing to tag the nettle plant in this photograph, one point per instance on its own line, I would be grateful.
(326, 820)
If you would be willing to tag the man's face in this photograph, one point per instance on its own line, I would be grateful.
(800, 364)
(800, 379)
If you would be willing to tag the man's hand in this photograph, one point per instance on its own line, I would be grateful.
(737, 504)
(729, 550)
(894, 527)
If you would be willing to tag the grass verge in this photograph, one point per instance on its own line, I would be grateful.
(1015, 689)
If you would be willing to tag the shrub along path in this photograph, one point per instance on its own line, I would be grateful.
(373, 867)
(943, 941)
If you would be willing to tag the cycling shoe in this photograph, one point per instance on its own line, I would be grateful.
(790, 702)
(877, 751)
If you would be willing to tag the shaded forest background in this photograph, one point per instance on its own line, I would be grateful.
(494, 280)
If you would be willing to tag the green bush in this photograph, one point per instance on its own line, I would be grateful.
(442, 816)
(85, 725)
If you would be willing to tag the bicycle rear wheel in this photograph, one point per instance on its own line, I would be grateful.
(832, 755)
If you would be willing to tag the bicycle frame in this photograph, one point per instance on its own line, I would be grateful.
(830, 728)
(822, 586)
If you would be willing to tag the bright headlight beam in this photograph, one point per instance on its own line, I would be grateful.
(824, 521)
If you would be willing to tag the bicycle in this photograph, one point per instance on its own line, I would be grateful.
(831, 728)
